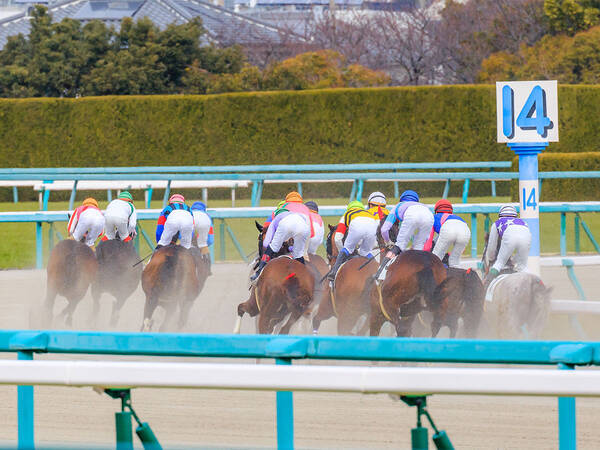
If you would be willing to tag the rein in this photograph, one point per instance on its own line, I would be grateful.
(381, 306)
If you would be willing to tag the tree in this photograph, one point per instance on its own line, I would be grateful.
(572, 16)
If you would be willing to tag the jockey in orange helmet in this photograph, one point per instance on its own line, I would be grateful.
(86, 222)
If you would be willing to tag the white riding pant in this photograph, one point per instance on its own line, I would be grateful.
(362, 235)
(179, 221)
(416, 225)
(456, 234)
(90, 224)
(201, 228)
(317, 239)
(515, 243)
(292, 226)
(114, 225)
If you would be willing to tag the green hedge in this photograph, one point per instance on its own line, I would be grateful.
(442, 123)
(566, 189)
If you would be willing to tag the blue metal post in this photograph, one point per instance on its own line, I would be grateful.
(353, 190)
(285, 415)
(222, 240)
(473, 235)
(465, 196)
(25, 409)
(149, 197)
(577, 238)
(46, 197)
(73, 194)
(109, 195)
(359, 189)
(563, 234)
(396, 190)
(39, 242)
(168, 194)
(259, 193)
(493, 184)
(529, 196)
(15, 194)
(567, 431)
(446, 189)
(299, 188)
(254, 192)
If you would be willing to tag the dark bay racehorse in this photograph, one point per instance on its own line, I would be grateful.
(72, 267)
(285, 289)
(465, 301)
(413, 283)
(116, 275)
(171, 280)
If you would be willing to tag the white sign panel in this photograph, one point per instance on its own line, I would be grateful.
(527, 111)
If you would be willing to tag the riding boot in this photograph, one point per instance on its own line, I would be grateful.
(341, 258)
(263, 262)
(301, 259)
(394, 251)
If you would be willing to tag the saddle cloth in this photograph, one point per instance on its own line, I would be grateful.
(489, 294)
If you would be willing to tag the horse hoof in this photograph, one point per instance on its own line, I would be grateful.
(147, 325)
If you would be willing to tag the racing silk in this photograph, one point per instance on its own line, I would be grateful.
(162, 219)
(275, 223)
(379, 212)
(497, 232)
(504, 222)
(316, 219)
(396, 215)
(438, 220)
(75, 217)
(300, 208)
(201, 220)
(348, 216)
(123, 209)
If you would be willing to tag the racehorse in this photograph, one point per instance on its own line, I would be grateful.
(465, 301)
(285, 288)
(72, 267)
(350, 299)
(170, 279)
(414, 282)
(353, 290)
(116, 275)
(519, 302)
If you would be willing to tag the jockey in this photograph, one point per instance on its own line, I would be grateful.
(292, 220)
(319, 229)
(378, 202)
(452, 231)
(415, 223)
(120, 217)
(176, 218)
(86, 222)
(361, 226)
(203, 230)
(515, 240)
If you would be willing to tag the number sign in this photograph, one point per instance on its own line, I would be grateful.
(527, 111)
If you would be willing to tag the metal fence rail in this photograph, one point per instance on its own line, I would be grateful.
(565, 355)
(220, 215)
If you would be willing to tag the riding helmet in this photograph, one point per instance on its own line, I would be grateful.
(355, 204)
(443, 206)
(90, 202)
(125, 195)
(293, 197)
(409, 196)
(508, 211)
(199, 206)
(377, 198)
(312, 206)
(177, 198)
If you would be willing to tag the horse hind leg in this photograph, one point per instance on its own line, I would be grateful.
(184, 311)
(116, 310)
(149, 307)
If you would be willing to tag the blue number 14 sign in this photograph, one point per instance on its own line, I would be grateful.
(527, 111)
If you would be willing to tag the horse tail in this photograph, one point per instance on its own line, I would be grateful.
(167, 272)
(291, 284)
(427, 284)
(474, 297)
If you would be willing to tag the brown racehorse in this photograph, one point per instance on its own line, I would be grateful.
(116, 275)
(465, 301)
(71, 269)
(413, 283)
(353, 293)
(283, 290)
(351, 299)
(170, 279)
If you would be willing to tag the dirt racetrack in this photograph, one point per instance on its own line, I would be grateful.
(226, 419)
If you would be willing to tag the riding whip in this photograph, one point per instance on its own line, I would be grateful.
(369, 260)
(143, 259)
